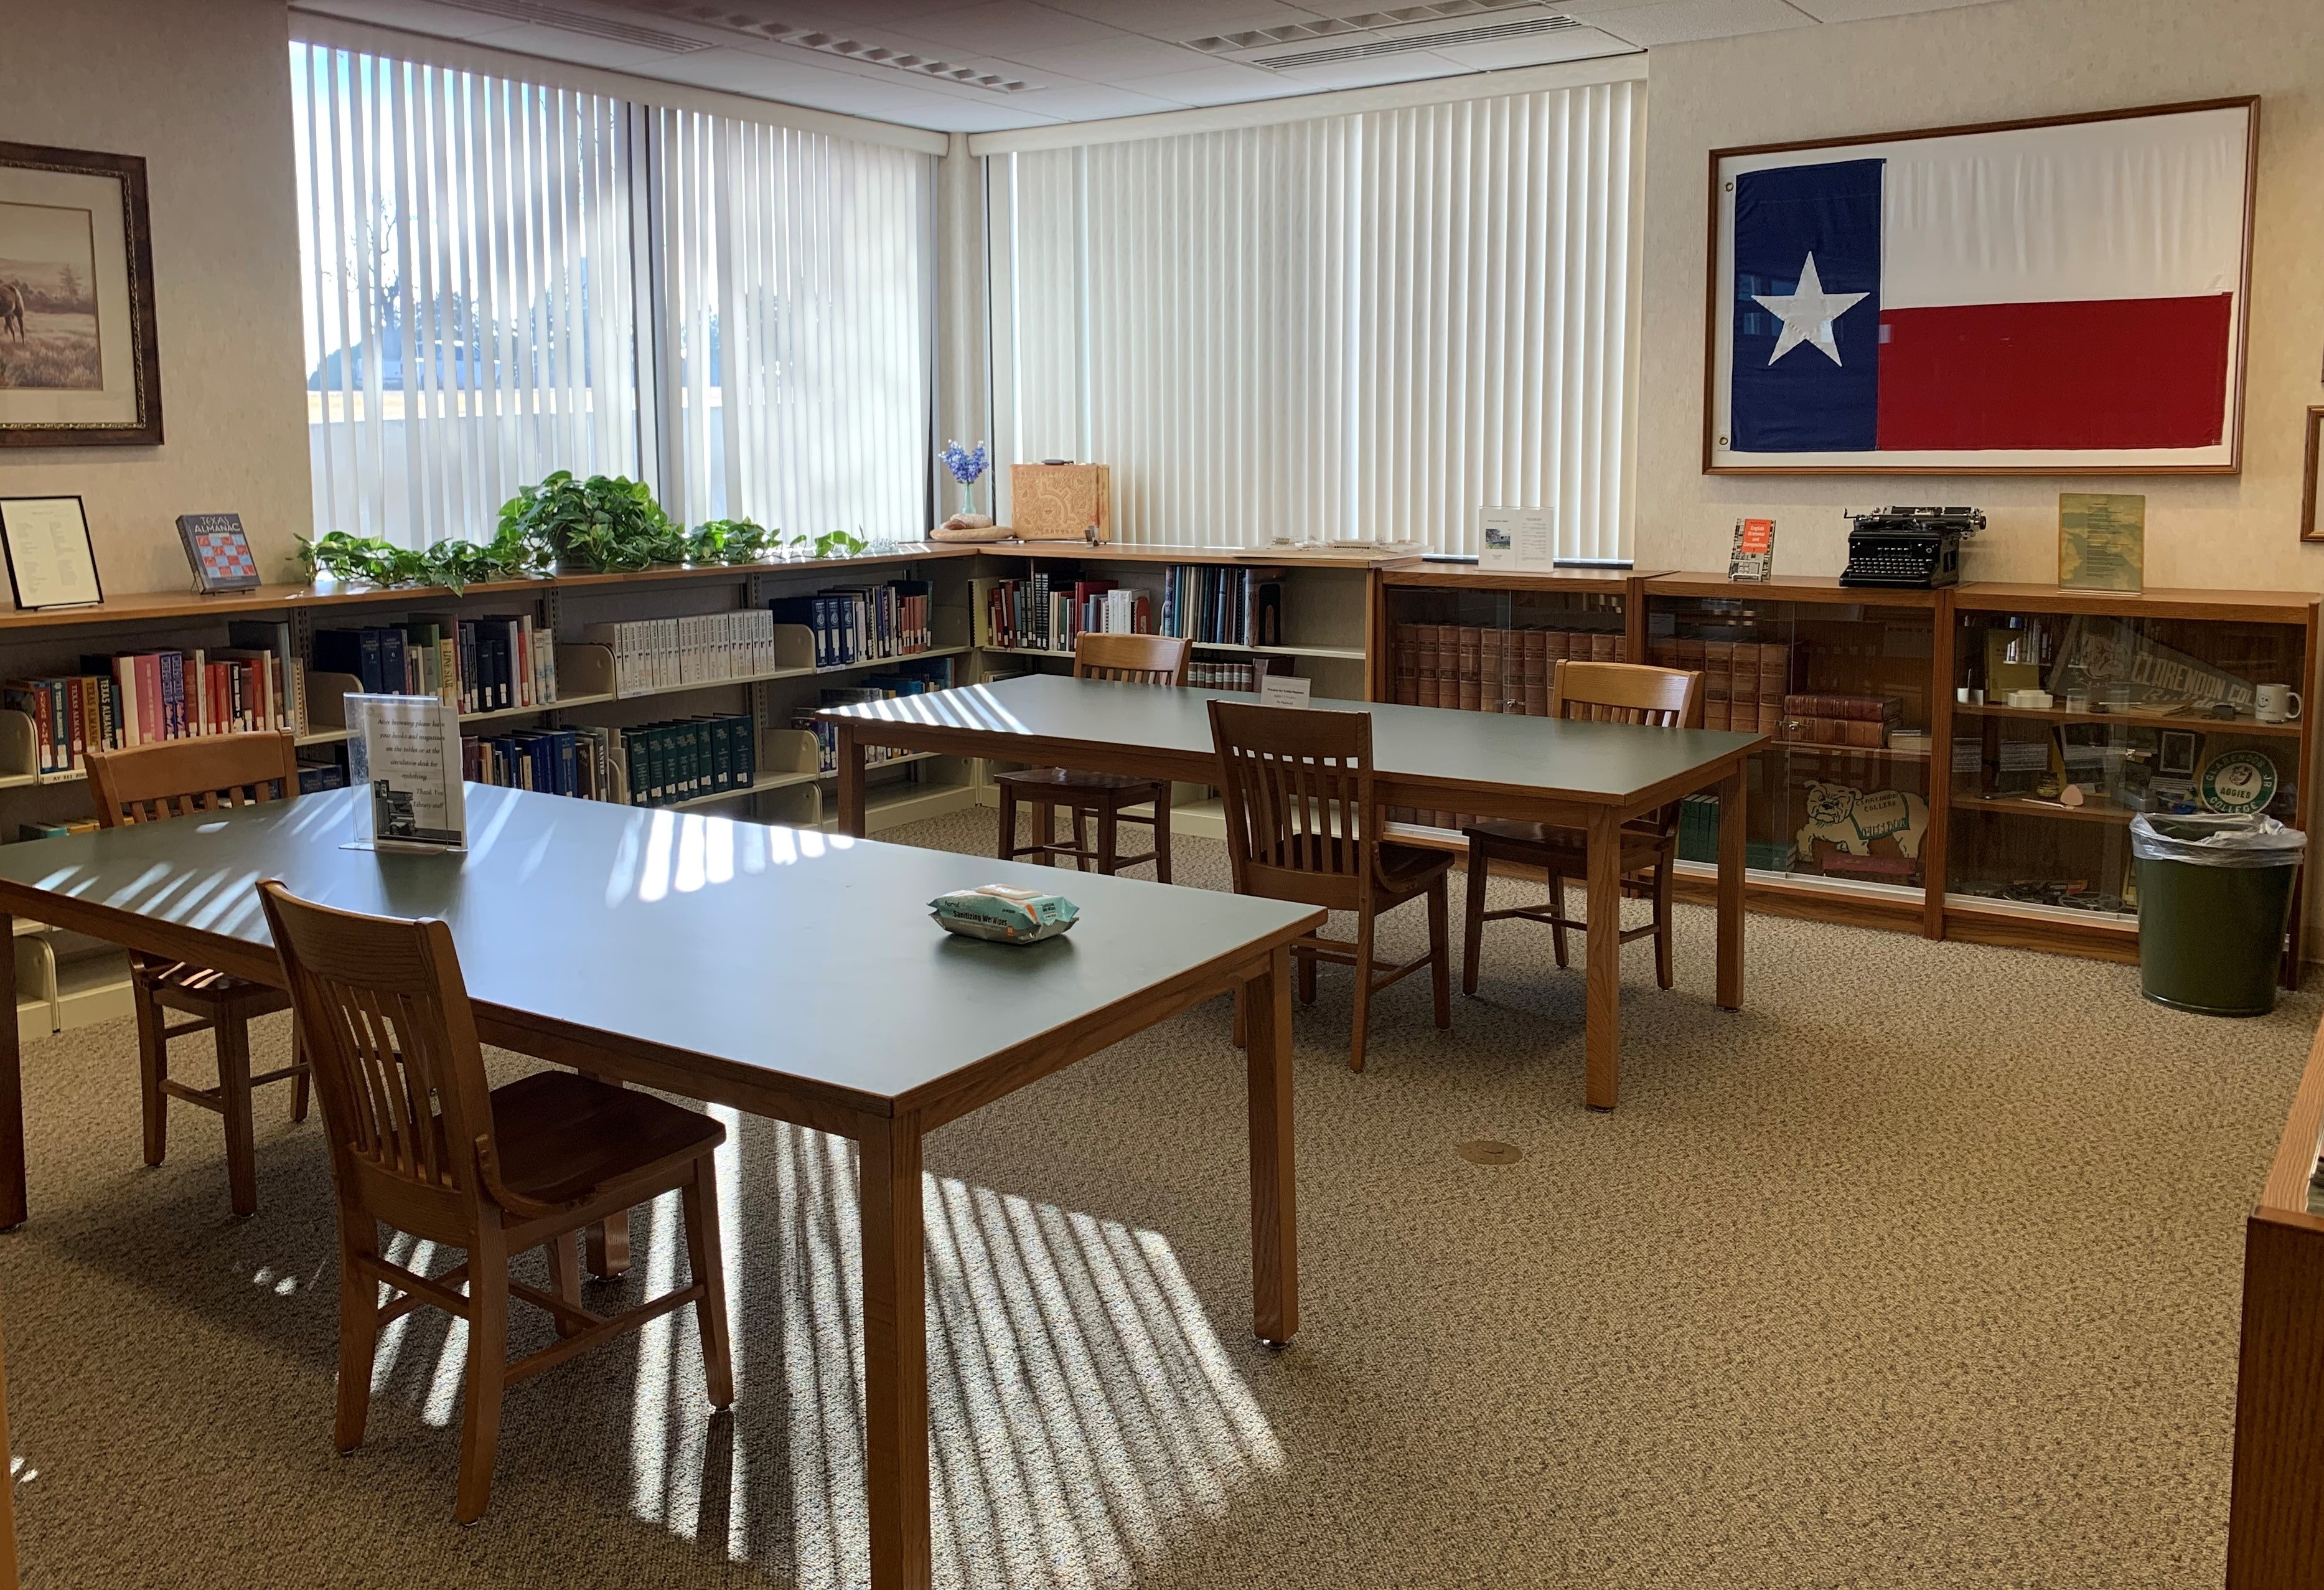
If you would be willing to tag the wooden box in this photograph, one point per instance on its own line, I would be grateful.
(1061, 502)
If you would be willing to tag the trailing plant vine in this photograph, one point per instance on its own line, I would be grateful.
(603, 525)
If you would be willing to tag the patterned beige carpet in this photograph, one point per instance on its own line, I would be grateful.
(1922, 1271)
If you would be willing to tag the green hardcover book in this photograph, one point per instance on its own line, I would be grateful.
(633, 758)
(698, 751)
(745, 752)
(656, 764)
(722, 754)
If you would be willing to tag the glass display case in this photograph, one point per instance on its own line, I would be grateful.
(1843, 681)
(1480, 640)
(2073, 711)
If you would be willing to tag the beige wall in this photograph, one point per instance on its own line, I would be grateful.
(2018, 58)
(201, 89)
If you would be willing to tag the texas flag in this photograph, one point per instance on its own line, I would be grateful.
(2033, 291)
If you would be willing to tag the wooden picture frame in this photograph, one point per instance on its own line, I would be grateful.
(79, 366)
(1722, 288)
(43, 554)
(2311, 521)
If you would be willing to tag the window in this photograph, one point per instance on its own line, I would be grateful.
(797, 295)
(501, 280)
(1361, 327)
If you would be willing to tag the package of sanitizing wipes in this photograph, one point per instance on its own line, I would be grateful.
(1004, 915)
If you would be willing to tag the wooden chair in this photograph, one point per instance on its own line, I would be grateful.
(1301, 825)
(416, 1142)
(1602, 692)
(176, 778)
(1137, 659)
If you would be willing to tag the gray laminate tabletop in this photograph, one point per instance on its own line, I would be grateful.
(1589, 762)
(807, 954)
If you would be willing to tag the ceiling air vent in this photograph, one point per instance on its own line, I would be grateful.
(822, 42)
(1484, 34)
(577, 22)
(1350, 30)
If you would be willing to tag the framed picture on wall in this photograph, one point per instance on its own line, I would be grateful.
(78, 362)
(2311, 512)
(2056, 297)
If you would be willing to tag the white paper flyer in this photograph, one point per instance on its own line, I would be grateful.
(406, 752)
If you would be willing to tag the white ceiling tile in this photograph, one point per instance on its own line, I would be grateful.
(1405, 67)
(1535, 50)
(1864, 10)
(1091, 103)
(581, 49)
(436, 21)
(1006, 27)
(762, 77)
(1186, 19)
(1222, 85)
(1122, 58)
(1680, 22)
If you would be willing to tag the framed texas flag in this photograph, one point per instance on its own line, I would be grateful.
(2050, 297)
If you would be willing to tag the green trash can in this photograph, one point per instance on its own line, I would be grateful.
(2214, 896)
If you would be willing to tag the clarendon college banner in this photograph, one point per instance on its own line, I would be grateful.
(2043, 297)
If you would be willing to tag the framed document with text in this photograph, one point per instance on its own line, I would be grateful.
(51, 563)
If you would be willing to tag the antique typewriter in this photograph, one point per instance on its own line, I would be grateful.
(1916, 547)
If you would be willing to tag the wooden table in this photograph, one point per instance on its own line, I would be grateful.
(1588, 776)
(783, 973)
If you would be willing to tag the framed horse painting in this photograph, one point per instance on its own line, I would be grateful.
(78, 362)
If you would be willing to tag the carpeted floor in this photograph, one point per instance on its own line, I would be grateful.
(1922, 1271)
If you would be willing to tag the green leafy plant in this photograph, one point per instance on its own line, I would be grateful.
(731, 541)
(605, 525)
(453, 563)
(838, 543)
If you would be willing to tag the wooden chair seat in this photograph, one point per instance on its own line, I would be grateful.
(163, 782)
(1602, 692)
(1060, 784)
(1102, 798)
(562, 1136)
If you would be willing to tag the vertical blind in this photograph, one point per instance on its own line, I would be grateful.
(1363, 326)
(469, 295)
(501, 280)
(797, 304)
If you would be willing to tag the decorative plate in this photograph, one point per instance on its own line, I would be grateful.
(2238, 782)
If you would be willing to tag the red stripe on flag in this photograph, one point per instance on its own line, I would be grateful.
(2106, 373)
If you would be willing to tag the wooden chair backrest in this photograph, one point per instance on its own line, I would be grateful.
(1628, 692)
(384, 1014)
(1135, 660)
(176, 778)
(1296, 786)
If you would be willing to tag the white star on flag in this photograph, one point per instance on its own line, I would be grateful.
(1808, 313)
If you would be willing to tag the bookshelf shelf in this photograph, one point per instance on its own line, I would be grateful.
(2027, 806)
(2152, 720)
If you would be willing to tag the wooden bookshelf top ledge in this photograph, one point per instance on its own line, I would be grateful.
(2267, 606)
(1417, 572)
(148, 606)
(1790, 588)
(1295, 557)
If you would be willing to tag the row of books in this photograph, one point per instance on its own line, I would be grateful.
(488, 664)
(1860, 721)
(1474, 669)
(934, 673)
(1228, 606)
(1046, 614)
(140, 697)
(1744, 682)
(863, 623)
(1206, 674)
(700, 648)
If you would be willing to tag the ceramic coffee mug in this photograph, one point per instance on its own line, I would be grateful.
(2276, 704)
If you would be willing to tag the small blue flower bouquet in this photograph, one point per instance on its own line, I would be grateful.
(965, 466)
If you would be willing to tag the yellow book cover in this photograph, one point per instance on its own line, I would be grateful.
(2101, 542)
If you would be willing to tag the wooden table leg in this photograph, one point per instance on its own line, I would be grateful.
(605, 1246)
(11, 1090)
(895, 1350)
(1274, 1174)
(1602, 1005)
(1731, 855)
(851, 780)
